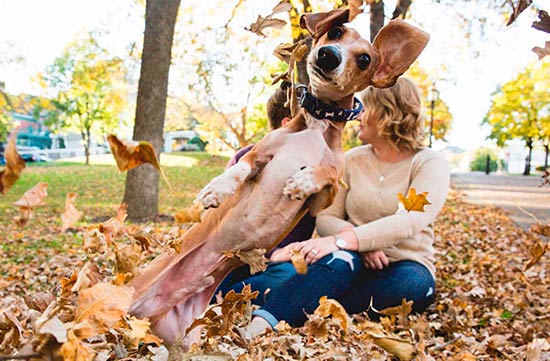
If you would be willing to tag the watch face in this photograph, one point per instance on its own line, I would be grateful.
(341, 243)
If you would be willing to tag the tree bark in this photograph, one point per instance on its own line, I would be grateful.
(376, 18)
(546, 153)
(527, 170)
(141, 193)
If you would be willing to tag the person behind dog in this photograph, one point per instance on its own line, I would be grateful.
(371, 252)
(276, 273)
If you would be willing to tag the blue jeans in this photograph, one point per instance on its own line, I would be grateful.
(342, 276)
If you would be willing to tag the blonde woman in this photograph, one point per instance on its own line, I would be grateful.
(370, 249)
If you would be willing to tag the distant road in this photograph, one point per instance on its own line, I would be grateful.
(507, 192)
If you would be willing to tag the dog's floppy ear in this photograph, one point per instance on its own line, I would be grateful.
(399, 44)
(319, 23)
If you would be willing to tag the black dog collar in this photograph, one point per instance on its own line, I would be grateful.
(321, 110)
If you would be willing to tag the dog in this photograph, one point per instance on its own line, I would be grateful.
(292, 170)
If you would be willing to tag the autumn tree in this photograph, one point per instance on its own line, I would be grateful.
(141, 192)
(5, 110)
(88, 91)
(520, 109)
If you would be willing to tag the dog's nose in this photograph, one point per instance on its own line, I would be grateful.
(328, 58)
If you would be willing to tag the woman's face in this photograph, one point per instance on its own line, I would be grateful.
(368, 131)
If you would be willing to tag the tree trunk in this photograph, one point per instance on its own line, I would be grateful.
(546, 151)
(376, 18)
(527, 170)
(141, 193)
(86, 141)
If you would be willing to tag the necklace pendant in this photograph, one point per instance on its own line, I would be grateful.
(381, 179)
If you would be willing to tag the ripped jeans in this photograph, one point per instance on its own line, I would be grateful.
(341, 276)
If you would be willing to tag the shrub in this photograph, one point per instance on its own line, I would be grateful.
(479, 163)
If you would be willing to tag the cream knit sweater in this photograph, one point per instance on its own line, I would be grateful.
(370, 204)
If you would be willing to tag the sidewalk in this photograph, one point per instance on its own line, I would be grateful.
(506, 192)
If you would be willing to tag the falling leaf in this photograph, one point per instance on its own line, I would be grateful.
(254, 258)
(270, 22)
(86, 277)
(190, 214)
(414, 202)
(400, 312)
(111, 227)
(299, 262)
(130, 154)
(102, 305)
(14, 165)
(31, 199)
(71, 214)
(541, 53)
(329, 307)
(544, 23)
(542, 229)
(537, 251)
(518, 9)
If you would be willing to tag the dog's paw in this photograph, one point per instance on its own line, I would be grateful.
(301, 184)
(223, 185)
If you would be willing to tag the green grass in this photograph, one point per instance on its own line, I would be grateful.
(100, 186)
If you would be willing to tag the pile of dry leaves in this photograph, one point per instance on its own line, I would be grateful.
(73, 303)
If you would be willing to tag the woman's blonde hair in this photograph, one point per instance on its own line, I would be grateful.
(398, 110)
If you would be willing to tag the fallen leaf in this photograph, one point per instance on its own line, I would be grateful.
(102, 305)
(414, 202)
(130, 154)
(128, 258)
(400, 312)
(76, 350)
(71, 214)
(14, 165)
(299, 262)
(111, 227)
(254, 258)
(329, 307)
(190, 214)
(54, 327)
(395, 346)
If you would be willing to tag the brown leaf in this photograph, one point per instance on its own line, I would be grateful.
(31, 199)
(544, 23)
(71, 214)
(88, 276)
(76, 350)
(329, 307)
(400, 312)
(190, 214)
(299, 262)
(54, 327)
(254, 258)
(541, 53)
(537, 251)
(130, 154)
(127, 258)
(270, 22)
(518, 9)
(394, 345)
(102, 305)
(111, 227)
(414, 202)
(14, 165)
(355, 8)
(542, 229)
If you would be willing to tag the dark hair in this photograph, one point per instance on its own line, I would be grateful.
(276, 109)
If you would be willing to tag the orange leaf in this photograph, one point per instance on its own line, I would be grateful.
(32, 198)
(542, 229)
(130, 154)
(14, 166)
(71, 214)
(299, 262)
(111, 227)
(414, 202)
(76, 350)
(328, 307)
(102, 305)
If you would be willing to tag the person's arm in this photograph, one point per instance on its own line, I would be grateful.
(433, 177)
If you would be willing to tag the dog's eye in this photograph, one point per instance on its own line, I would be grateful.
(335, 33)
(363, 61)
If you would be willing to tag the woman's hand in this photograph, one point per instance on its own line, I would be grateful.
(375, 259)
(316, 248)
(283, 254)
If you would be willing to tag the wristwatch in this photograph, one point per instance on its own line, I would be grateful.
(341, 243)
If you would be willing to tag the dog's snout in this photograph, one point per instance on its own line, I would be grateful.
(328, 58)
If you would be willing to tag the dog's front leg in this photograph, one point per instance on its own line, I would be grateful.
(310, 180)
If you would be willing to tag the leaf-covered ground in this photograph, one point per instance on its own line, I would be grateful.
(56, 298)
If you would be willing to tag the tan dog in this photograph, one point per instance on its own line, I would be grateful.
(290, 171)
